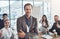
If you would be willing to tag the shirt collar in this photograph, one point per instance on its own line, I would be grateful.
(27, 18)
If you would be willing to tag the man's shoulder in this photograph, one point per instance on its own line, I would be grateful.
(0, 19)
(21, 17)
(3, 28)
(34, 18)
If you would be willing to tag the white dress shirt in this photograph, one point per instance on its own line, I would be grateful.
(28, 28)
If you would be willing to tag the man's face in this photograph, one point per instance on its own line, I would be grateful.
(56, 18)
(4, 17)
(28, 10)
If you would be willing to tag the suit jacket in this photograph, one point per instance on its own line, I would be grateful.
(21, 24)
(56, 28)
(1, 24)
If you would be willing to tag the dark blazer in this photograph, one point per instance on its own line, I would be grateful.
(53, 27)
(21, 24)
(1, 24)
(56, 28)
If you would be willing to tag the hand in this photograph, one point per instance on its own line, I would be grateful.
(55, 34)
(47, 30)
(21, 34)
(32, 30)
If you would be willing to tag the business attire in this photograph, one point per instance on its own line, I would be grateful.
(54, 27)
(23, 23)
(1, 24)
(7, 33)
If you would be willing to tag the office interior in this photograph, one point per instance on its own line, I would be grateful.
(15, 9)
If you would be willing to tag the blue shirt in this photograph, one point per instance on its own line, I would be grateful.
(28, 21)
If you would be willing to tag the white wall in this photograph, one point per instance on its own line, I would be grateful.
(55, 7)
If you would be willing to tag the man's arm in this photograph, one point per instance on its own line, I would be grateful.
(36, 31)
(53, 27)
(21, 33)
(19, 25)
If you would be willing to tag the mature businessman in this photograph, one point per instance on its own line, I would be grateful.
(26, 23)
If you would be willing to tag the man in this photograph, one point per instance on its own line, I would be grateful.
(0, 24)
(56, 19)
(2, 21)
(26, 23)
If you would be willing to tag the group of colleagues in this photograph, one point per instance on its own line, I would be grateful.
(5, 31)
(26, 25)
(45, 25)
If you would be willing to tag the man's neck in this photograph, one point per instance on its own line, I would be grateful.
(28, 17)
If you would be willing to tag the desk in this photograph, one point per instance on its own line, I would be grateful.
(40, 36)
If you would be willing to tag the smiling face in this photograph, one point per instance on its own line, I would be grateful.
(56, 18)
(6, 23)
(28, 9)
(44, 18)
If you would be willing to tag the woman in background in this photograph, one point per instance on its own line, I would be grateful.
(44, 23)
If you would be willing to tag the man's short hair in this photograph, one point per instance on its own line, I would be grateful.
(27, 5)
(56, 16)
(5, 14)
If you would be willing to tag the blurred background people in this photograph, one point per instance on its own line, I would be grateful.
(56, 25)
(56, 18)
(0, 24)
(44, 24)
(5, 16)
(6, 32)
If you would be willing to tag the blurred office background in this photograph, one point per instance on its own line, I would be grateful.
(14, 9)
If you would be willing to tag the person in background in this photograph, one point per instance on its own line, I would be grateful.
(44, 26)
(6, 32)
(27, 23)
(56, 29)
(0, 24)
(56, 18)
(56, 25)
(5, 16)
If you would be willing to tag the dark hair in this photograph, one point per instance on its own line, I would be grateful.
(27, 5)
(5, 14)
(56, 16)
(46, 21)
